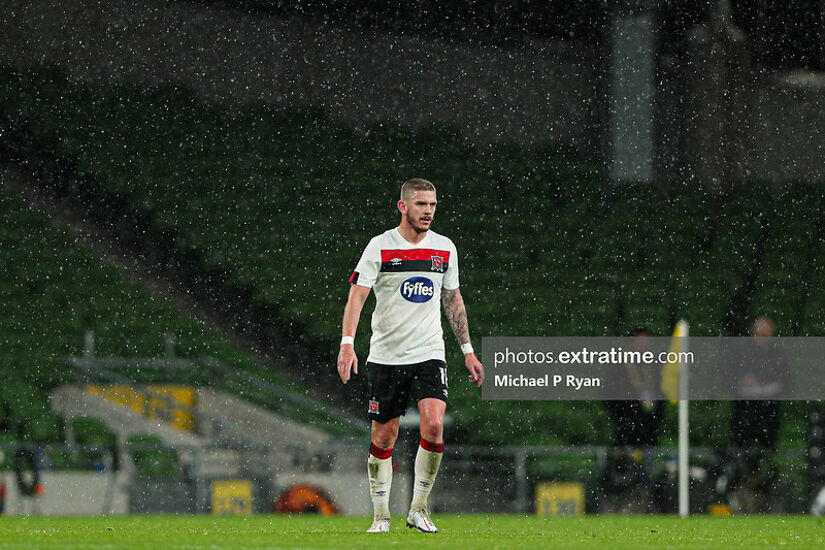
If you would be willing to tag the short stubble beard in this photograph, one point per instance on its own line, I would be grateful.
(411, 221)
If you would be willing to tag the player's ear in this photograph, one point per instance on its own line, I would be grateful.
(402, 207)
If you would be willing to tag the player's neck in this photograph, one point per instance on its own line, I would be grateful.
(410, 234)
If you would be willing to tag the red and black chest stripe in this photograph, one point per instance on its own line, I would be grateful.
(416, 259)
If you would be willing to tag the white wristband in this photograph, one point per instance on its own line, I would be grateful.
(347, 340)
(466, 348)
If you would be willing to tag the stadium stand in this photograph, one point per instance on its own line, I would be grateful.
(284, 201)
(53, 291)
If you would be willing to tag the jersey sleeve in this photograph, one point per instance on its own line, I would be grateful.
(368, 266)
(451, 275)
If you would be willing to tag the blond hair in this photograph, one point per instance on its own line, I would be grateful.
(413, 186)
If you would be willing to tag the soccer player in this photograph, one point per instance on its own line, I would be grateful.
(410, 268)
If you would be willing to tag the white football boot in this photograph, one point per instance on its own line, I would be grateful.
(379, 525)
(420, 519)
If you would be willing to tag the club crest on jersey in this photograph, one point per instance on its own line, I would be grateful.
(438, 263)
(417, 289)
(374, 406)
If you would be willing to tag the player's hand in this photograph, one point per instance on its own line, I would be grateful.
(475, 367)
(347, 362)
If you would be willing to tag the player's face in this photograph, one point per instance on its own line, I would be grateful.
(420, 209)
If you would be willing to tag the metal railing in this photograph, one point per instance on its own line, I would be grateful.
(472, 478)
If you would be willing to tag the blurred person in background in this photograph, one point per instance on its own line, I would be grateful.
(636, 422)
(759, 374)
(762, 375)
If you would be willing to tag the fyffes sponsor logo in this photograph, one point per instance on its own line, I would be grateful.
(417, 289)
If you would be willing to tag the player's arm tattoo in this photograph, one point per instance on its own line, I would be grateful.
(456, 314)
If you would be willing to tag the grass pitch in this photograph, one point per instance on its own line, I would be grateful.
(457, 532)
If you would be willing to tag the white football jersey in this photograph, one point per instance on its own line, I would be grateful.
(407, 280)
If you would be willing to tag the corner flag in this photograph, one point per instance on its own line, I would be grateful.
(672, 370)
(675, 387)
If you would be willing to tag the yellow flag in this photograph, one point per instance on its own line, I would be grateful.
(670, 372)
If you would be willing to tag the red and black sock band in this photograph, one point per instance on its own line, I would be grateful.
(380, 453)
(432, 447)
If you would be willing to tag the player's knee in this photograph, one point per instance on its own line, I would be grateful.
(432, 429)
(385, 441)
(385, 436)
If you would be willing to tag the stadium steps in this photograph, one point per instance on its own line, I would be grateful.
(72, 402)
(283, 435)
(260, 427)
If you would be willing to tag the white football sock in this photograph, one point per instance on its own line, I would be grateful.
(426, 468)
(379, 472)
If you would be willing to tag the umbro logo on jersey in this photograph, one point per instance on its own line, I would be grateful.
(426, 260)
(417, 289)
